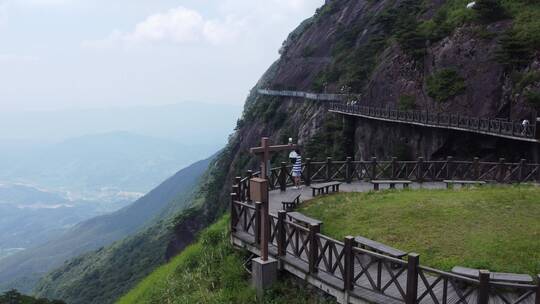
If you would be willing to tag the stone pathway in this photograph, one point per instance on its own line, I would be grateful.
(276, 196)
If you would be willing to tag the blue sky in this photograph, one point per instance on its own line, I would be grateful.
(58, 54)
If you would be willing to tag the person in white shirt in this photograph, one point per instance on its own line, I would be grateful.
(525, 125)
(293, 156)
(297, 170)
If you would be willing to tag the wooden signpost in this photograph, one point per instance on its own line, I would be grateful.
(259, 188)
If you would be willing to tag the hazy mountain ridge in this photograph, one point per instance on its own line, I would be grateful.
(22, 270)
(103, 275)
(120, 161)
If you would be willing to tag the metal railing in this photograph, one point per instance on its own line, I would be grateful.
(306, 95)
(510, 129)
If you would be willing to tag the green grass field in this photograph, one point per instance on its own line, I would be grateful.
(211, 271)
(495, 228)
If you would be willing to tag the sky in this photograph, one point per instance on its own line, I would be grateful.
(77, 54)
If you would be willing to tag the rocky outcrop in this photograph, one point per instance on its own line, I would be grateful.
(471, 50)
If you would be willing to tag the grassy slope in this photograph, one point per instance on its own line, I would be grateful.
(210, 271)
(493, 228)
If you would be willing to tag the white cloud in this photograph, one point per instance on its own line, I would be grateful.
(236, 21)
(178, 25)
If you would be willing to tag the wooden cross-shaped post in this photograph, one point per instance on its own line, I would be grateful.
(264, 152)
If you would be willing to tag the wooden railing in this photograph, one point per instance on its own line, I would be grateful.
(355, 268)
(374, 169)
(419, 170)
(359, 269)
(510, 129)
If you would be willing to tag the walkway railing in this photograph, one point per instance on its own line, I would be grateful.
(306, 95)
(419, 170)
(495, 127)
(508, 129)
(358, 270)
(368, 275)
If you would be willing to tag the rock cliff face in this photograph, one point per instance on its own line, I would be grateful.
(317, 47)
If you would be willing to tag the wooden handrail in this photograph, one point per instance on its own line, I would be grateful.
(420, 169)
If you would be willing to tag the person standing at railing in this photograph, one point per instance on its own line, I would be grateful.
(525, 126)
(293, 155)
(297, 170)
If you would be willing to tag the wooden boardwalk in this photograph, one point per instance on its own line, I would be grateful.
(375, 278)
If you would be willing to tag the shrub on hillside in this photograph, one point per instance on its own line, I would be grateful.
(533, 98)
(406, 102)
(445, 84)
(490, 11)
(514, 51)
(14, 297)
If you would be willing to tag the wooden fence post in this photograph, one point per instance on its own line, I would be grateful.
(394, 167)
(313, 247)
(281, 234)
(522, 166)
(373, 168)
(476, 168)
(238, 182)
(348, 170)
(413, 262)
(483, 290)
(420, 170)
(538, 290)
(236, 190)
(283, 177)
(348, 275)
(449, 172)
(328, 168)
(258, 222)
(502, 170)
(249, 176)
(307, 171)
(233, 213)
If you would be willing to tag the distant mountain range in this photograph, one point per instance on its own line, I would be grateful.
(94, 166)
(193, 123)
(23, 269)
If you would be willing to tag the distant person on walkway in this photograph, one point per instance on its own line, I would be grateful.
(292, 156)
(525, 125)
(297, 170)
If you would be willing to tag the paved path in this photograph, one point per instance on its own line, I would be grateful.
(364, 286)
(276, 196)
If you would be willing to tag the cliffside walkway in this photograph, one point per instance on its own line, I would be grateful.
(355, 275)
(493, 127)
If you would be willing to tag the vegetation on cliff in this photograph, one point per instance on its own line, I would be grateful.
(15, 297)
(211, 271)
